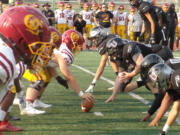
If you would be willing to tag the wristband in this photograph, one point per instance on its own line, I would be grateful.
(93, 82)
(81, 93)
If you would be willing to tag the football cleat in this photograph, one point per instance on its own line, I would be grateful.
(8, 127)
(39, 103)
(30, 110)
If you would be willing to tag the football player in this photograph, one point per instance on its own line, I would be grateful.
(122, 22)
(61, 18)
(167, 80)
(95, 8)
(111, 8)
(36, 5)
(25, 37)
(87, 16)
(64, 57)
(70, 15)
(18, 3)
(39, 81)
(178, 31)
(99, 38)
(146, 64)
(148, 15)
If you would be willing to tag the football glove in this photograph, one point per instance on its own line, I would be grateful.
(90, 88)
(61, 81)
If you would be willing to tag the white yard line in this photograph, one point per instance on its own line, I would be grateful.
(141, 99)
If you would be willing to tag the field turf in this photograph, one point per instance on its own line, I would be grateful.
(121, 117)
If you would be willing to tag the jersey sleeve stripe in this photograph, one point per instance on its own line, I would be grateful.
(20, 72)
(69, 54)
(6, 69)
(7, 60)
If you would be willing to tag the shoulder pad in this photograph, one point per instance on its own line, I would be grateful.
(145, 7)
(133, 49)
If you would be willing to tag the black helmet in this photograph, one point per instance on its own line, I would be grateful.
(135, 3)
(159, 75)
(149, 61)
(98, 33)
(115, 47)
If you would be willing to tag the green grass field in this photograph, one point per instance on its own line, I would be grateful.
(122, 117)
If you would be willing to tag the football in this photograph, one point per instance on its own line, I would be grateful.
(86, 105)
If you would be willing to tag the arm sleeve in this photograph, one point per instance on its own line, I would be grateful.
(156, 103)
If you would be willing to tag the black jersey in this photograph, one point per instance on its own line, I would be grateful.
(174, 63)
(146, 7)
(174, 92)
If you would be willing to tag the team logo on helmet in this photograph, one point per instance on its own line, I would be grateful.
(55, 36)
(74, 37)
(33, 24)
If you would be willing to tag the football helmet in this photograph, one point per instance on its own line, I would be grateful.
(149, 61)
(55, 36)
(95, 6)
(159, 76)
(86, 6)
(111, 6)
(36, 5)
(135, 3)
(18, 3)
(114, 48)
(26, 30)
(97, 35)
(73, 40)
(61, 5)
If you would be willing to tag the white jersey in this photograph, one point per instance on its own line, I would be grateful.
(70, 16)
(121, 18)
(178, 15)
(115, 13)
(61, 16)
(86, 16)
(20, 69)
(64, 51)
(7, 69)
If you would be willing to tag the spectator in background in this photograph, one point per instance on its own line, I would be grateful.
(1, 7)
(48, 13)
(130, 23)
(18, 3)
(137, 26)
(111, 8)
(61, 18)
(79, 25)
(172, 19)
(178, 30)
(70, 15)
(36, 5)
(122, 22)
(103, 18)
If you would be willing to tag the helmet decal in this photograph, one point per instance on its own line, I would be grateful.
(33, 24)
(55, 36)
(74, 37)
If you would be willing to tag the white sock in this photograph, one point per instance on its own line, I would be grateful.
(165, 128)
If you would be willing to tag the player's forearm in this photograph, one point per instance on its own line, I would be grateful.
(163, 108)
(131, 86)
(173, 113)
